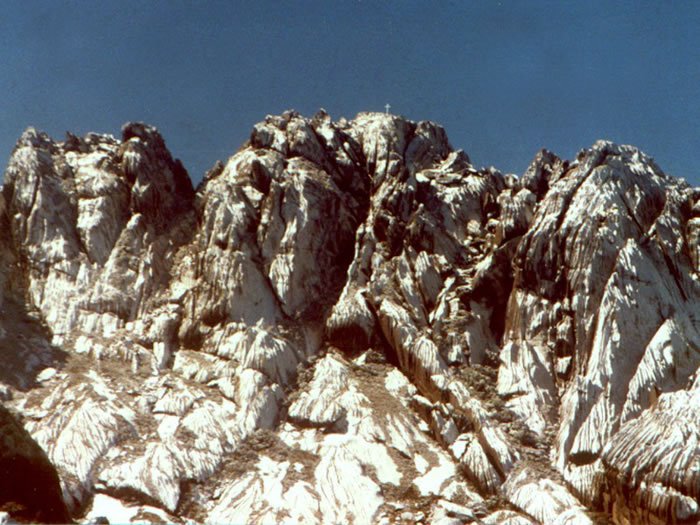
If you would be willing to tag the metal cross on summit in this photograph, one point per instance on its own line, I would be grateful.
(387, 107)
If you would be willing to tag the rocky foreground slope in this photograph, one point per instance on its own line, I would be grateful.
(347, 322)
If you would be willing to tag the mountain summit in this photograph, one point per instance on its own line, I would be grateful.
(347, 322)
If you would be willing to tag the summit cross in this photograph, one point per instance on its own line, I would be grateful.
(387, 107)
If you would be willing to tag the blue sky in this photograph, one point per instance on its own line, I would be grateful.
(504, 78)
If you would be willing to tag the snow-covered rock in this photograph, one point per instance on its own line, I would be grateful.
(349, 322)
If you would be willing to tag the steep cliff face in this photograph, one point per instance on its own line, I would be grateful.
(348, 322)
(606, 272)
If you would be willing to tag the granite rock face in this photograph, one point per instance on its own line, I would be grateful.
(349, 322)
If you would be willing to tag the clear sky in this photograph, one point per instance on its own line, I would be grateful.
(504, 78)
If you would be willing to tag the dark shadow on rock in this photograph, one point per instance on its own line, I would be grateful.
(25, 346)
(30, 490)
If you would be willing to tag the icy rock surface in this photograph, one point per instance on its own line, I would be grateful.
(349, 322)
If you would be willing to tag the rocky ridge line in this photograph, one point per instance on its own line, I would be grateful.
(351, 308)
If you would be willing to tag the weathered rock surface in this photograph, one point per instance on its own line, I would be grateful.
(348, 322)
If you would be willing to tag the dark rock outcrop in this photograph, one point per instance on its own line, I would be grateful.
(30, 490)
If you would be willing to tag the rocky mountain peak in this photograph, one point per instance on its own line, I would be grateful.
(352, 307)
